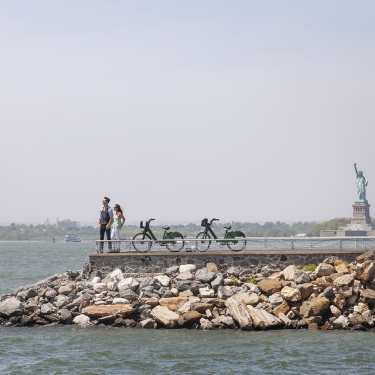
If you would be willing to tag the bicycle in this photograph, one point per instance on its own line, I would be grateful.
(172, 240)
(235, 240)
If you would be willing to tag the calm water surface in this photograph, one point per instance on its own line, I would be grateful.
(73, 350)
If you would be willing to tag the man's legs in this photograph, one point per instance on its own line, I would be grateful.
(108, 233)
(102, 231)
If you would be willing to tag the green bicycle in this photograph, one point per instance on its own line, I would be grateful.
(235, 240)
(174, 241)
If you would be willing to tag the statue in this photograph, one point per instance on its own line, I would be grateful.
(361, 185)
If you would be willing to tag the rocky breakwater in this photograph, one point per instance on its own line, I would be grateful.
(332, 295)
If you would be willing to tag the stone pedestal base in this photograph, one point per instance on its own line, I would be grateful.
(361, 213)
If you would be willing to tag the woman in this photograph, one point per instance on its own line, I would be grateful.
(118, 222)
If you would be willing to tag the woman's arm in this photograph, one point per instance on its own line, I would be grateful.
(122, 218)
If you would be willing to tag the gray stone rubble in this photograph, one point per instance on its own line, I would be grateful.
(337, 295)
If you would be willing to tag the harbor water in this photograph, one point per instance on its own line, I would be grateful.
(75, 350)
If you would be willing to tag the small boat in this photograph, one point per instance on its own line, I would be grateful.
(70, 238)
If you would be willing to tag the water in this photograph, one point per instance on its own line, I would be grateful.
(74, 350)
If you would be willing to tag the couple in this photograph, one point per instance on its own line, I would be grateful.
(110, 224)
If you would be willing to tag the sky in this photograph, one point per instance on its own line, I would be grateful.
(180, 110)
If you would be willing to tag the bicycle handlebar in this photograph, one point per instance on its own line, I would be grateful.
(148, 222)
(213, 220)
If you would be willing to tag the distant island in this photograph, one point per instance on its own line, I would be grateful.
(42, 232)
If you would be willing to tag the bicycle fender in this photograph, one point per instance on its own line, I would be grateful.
(235, 234)
(172, 235)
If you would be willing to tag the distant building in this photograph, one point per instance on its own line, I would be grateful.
(46, 221)
(66, 224)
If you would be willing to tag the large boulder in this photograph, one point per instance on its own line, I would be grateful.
(96, 312)
(325, 269)
(116, 275)
(217, 281)
(99, 287)
(65, 316)
(163, 280)
(343, 280)
(82, 320)
(240, 313)
(367, 295)
(204, 276)
(290, 294)
(189, 318)
(172, 303)
(187, 267)
(212, 267)
(47, 308)
(165, 317)
(61, 300)
(248, 298)
(128, 283)
(184, 276)
(283, 308)
(288, 273)
(11, 307)
(67, 289)
(341, 266)
(301, 277)
(269, 286)
(306, 290)
(364, 271)
(263, 319)
(314, 306)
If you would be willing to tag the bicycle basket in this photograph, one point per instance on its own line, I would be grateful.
(204, 222)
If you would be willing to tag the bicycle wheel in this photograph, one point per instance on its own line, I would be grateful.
(236, 242)
(203, 245)
(175, 244)
(140, 245)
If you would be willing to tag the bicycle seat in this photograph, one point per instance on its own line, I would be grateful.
(166, 228)
(228, 227)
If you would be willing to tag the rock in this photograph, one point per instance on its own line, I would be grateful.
(240, 313)
(351, 300)
(262, 319)
(339, 301)
(189, 318)
(283, 308)
(218, 281)
(341, 321)
(285, 319)
(120, 301)
(99, 287)
(288, 273)
(290, 294)
(234, 271)
(174, 291)
(47, 308)
(367, 317)
(116, 275)
(67, 289)
(367, 295)
(331, 260)
(248, 298)
(146, 314)
(128, 294)
(306, 290)
(343, 280)
(252, 288)
(184, 276)
(223, 293)
(206, 292)
(355, 318)
(163, 280)
(212, 267)
(204, 276)
(361, 307)
(227, 321)
(325, 269)
(327, 292)
(357, 286)
(96, 280)
(314, 306)
(82, 320)
(50, 294)
(165, 317)
(30, 293)
(172, 270)
(364, 271)
(345, 291)
(205, 324)
(96, 312)
(148, 323)
(10, 307)
(172, 303)
(183, 307)
(369, 255)
(186, 293)
(275, 299)
(341, 266)
(147, 281)
(312, 326)
(61, 300)
(149, 301)
(228, 281)
(201, 307)
(187, 268)
(128, 283)
(65, 316)
(335, 311)
(269, 286)
(301, 277)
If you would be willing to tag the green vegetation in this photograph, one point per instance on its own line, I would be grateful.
(278, 229)
(236, 283)
(299, 267)
(309, 267)
(251, 281)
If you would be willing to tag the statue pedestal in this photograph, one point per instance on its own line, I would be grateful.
(361, 213)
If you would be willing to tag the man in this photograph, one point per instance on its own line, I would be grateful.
(105, 222)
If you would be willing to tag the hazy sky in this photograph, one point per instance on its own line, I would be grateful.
(179, 110)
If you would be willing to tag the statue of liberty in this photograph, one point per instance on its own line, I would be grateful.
(361, 185)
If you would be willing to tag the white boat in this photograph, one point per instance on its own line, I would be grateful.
(70, 238)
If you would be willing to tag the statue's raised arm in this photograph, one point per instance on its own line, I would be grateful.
(355, 168)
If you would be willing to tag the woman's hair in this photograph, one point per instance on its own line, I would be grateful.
(118, 207)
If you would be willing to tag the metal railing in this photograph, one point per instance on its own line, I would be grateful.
(248, 244)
